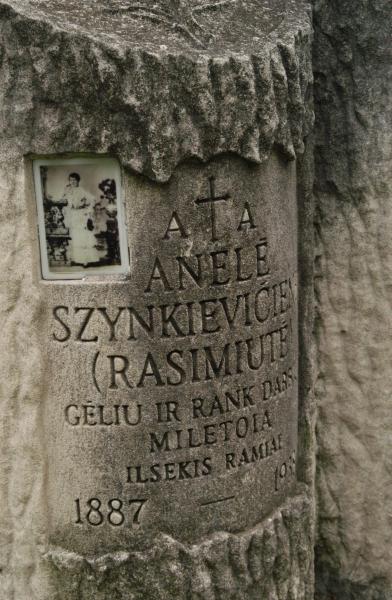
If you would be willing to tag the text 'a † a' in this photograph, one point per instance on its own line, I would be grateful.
(176, 225)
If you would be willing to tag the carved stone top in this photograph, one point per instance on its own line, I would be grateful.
(204, 25)
(156, 82)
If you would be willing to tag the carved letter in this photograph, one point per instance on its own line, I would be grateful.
(112, 323)
(121, 371)
(150, 369)
(67, 334)
(158, 274)
(84, 324)
(175, 226)
(247, 221)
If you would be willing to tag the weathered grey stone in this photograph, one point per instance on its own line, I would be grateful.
(271, 561)
(352, 63)
(158, 98)
(220, 346)
(78, 79)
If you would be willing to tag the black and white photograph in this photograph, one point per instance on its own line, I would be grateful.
(81, 218)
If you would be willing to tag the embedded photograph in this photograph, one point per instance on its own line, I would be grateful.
(81, 218)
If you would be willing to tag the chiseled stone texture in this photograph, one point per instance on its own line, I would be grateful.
(152, 105)
(353, 76)
(272, 561)
(67, 90)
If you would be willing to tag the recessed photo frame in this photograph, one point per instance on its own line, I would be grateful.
(81, 218)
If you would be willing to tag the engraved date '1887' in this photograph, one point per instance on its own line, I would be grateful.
(178, 15)
(116, 512)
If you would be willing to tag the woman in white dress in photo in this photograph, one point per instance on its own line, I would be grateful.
(79, 217)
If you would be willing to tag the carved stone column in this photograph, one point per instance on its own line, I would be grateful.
(157, 422)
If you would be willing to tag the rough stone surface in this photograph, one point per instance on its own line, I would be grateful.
(270, 561)
(353, 76)
(155, 107)
(67, 86)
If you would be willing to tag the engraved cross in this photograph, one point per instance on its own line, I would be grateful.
(212, 199)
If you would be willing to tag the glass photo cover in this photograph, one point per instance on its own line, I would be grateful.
(81, 217)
